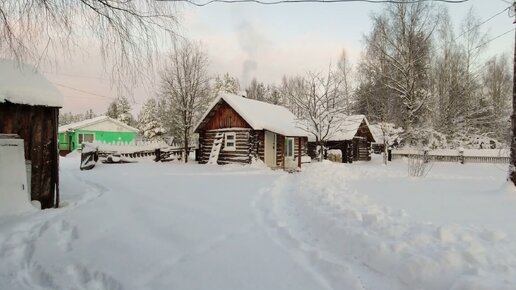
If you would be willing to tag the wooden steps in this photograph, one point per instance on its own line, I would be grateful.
(215, 149)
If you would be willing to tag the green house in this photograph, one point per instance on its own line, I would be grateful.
(103, 129)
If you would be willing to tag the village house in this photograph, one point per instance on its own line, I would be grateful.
(236, 129)
(29, 109)
(353, 139)
(103, 129)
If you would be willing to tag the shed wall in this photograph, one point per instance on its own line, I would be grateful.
(37, 126)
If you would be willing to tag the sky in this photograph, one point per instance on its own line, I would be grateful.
(265, 42)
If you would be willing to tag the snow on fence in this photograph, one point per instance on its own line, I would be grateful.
(139, 149)
(131, 147)
(456, 155)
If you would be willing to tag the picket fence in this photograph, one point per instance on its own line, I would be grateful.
(454, 155)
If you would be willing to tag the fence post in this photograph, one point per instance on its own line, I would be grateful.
(461, 155)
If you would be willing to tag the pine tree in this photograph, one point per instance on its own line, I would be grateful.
(120, 109)
(149, 123)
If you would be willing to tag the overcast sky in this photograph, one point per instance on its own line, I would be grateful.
(265, 42)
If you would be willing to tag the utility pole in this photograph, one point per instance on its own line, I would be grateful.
(512, 165)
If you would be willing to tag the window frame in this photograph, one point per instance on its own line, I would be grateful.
(79, 135)
(292, 147)
(230, 148)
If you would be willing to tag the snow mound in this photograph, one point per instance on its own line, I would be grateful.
(322, 215)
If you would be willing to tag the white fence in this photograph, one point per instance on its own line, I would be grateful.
(454, 155)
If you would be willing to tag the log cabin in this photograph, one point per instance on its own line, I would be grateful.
(353, 138)
(236, 129)
(29, 108)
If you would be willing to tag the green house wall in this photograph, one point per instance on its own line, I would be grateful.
(108, 137)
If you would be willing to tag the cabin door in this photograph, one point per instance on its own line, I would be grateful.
(270, 149)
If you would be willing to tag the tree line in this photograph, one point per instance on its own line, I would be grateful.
(415, 72)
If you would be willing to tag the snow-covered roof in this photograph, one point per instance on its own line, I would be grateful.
(377, 133)
(347, 128)
(22, 84)
(93, 121)
(260, 115)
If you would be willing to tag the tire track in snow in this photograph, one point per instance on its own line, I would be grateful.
(327, 271)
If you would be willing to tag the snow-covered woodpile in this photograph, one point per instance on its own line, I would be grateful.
(29, 107)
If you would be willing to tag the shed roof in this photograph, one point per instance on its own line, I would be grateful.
(377, 133)
(96, 120)
(259, 115)
(348, 128)
(22, 84)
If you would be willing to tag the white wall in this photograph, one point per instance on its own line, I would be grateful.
(14, 196)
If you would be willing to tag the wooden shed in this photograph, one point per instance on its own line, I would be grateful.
(102, 128)
(353, 139)
(29, 108)
(236, 129)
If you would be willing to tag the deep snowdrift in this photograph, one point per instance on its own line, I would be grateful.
(356, 226)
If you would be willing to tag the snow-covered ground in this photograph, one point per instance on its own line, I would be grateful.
(333, 226)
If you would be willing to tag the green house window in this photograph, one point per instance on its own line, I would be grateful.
(86, 137)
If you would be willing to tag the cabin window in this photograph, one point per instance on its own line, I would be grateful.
(289, 147)
(230, 141)
(86, 137)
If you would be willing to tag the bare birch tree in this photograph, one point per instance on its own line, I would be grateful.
(319, 104)
(401, 39)
(185, 90)
(128, 32)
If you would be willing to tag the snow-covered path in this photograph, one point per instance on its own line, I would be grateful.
(150, 226)
(171, 226)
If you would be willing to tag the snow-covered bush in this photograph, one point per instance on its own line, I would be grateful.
(419, 165)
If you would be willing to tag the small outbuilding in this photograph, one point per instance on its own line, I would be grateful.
(29, 108)
(236, 129)
(103, 128)
(353, 139)
(378, 145)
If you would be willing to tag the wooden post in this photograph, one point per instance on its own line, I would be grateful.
(56, 157)
(282, 148)
(512, 165)
(300, 142)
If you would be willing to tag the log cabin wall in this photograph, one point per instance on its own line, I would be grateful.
(37, 126)
(363, 150)
(240, 155)
(280, 150)
(258, 144)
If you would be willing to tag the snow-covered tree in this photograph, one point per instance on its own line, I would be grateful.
(185, 90)
(318, 104)
(120, 109)
(226, 83)
(397, 59)
(256, 90)
(149, 122)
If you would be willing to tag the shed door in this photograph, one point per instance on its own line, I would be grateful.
(14, 195)
(270, 149)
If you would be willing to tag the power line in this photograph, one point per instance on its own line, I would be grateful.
(482, 23)
(82, 91)
(491, 39)
(77, 76)
(311, 1)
